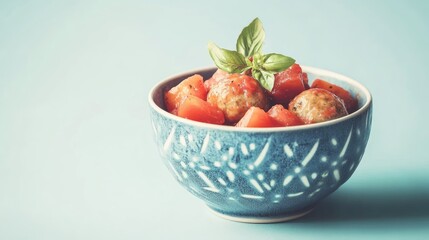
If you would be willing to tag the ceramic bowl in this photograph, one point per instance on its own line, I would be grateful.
(262, 175)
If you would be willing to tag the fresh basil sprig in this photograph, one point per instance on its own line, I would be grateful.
(248, 55)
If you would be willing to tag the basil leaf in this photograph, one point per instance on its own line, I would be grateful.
(275, 62)
(251, 38)
(229, 61)
(266, 79)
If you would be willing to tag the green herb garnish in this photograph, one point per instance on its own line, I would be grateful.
(248, 55)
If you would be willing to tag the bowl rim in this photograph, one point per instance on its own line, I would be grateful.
(312, 70)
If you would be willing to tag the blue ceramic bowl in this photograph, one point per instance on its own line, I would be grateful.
(262, 175)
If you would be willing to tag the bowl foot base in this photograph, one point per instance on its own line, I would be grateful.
(256, 219)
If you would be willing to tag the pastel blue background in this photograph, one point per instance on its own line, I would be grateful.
(77, 158)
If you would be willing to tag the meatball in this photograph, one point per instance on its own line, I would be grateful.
(317, 105)
(219, 75)
(235, 94)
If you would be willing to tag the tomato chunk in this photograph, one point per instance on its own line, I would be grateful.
(305, 80)
(283, 116)
(257, 117)
(197, 109)
(287, 85)
(350, 102)
(192, 86)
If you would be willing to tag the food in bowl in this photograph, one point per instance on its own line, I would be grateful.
(258, 175)
(248, 89)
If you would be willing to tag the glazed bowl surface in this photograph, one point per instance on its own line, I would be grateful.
(262, 175)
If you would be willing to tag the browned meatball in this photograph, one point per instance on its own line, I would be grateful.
(235, 94)
(317, 105)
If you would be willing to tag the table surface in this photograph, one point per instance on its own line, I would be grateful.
(77, 157)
